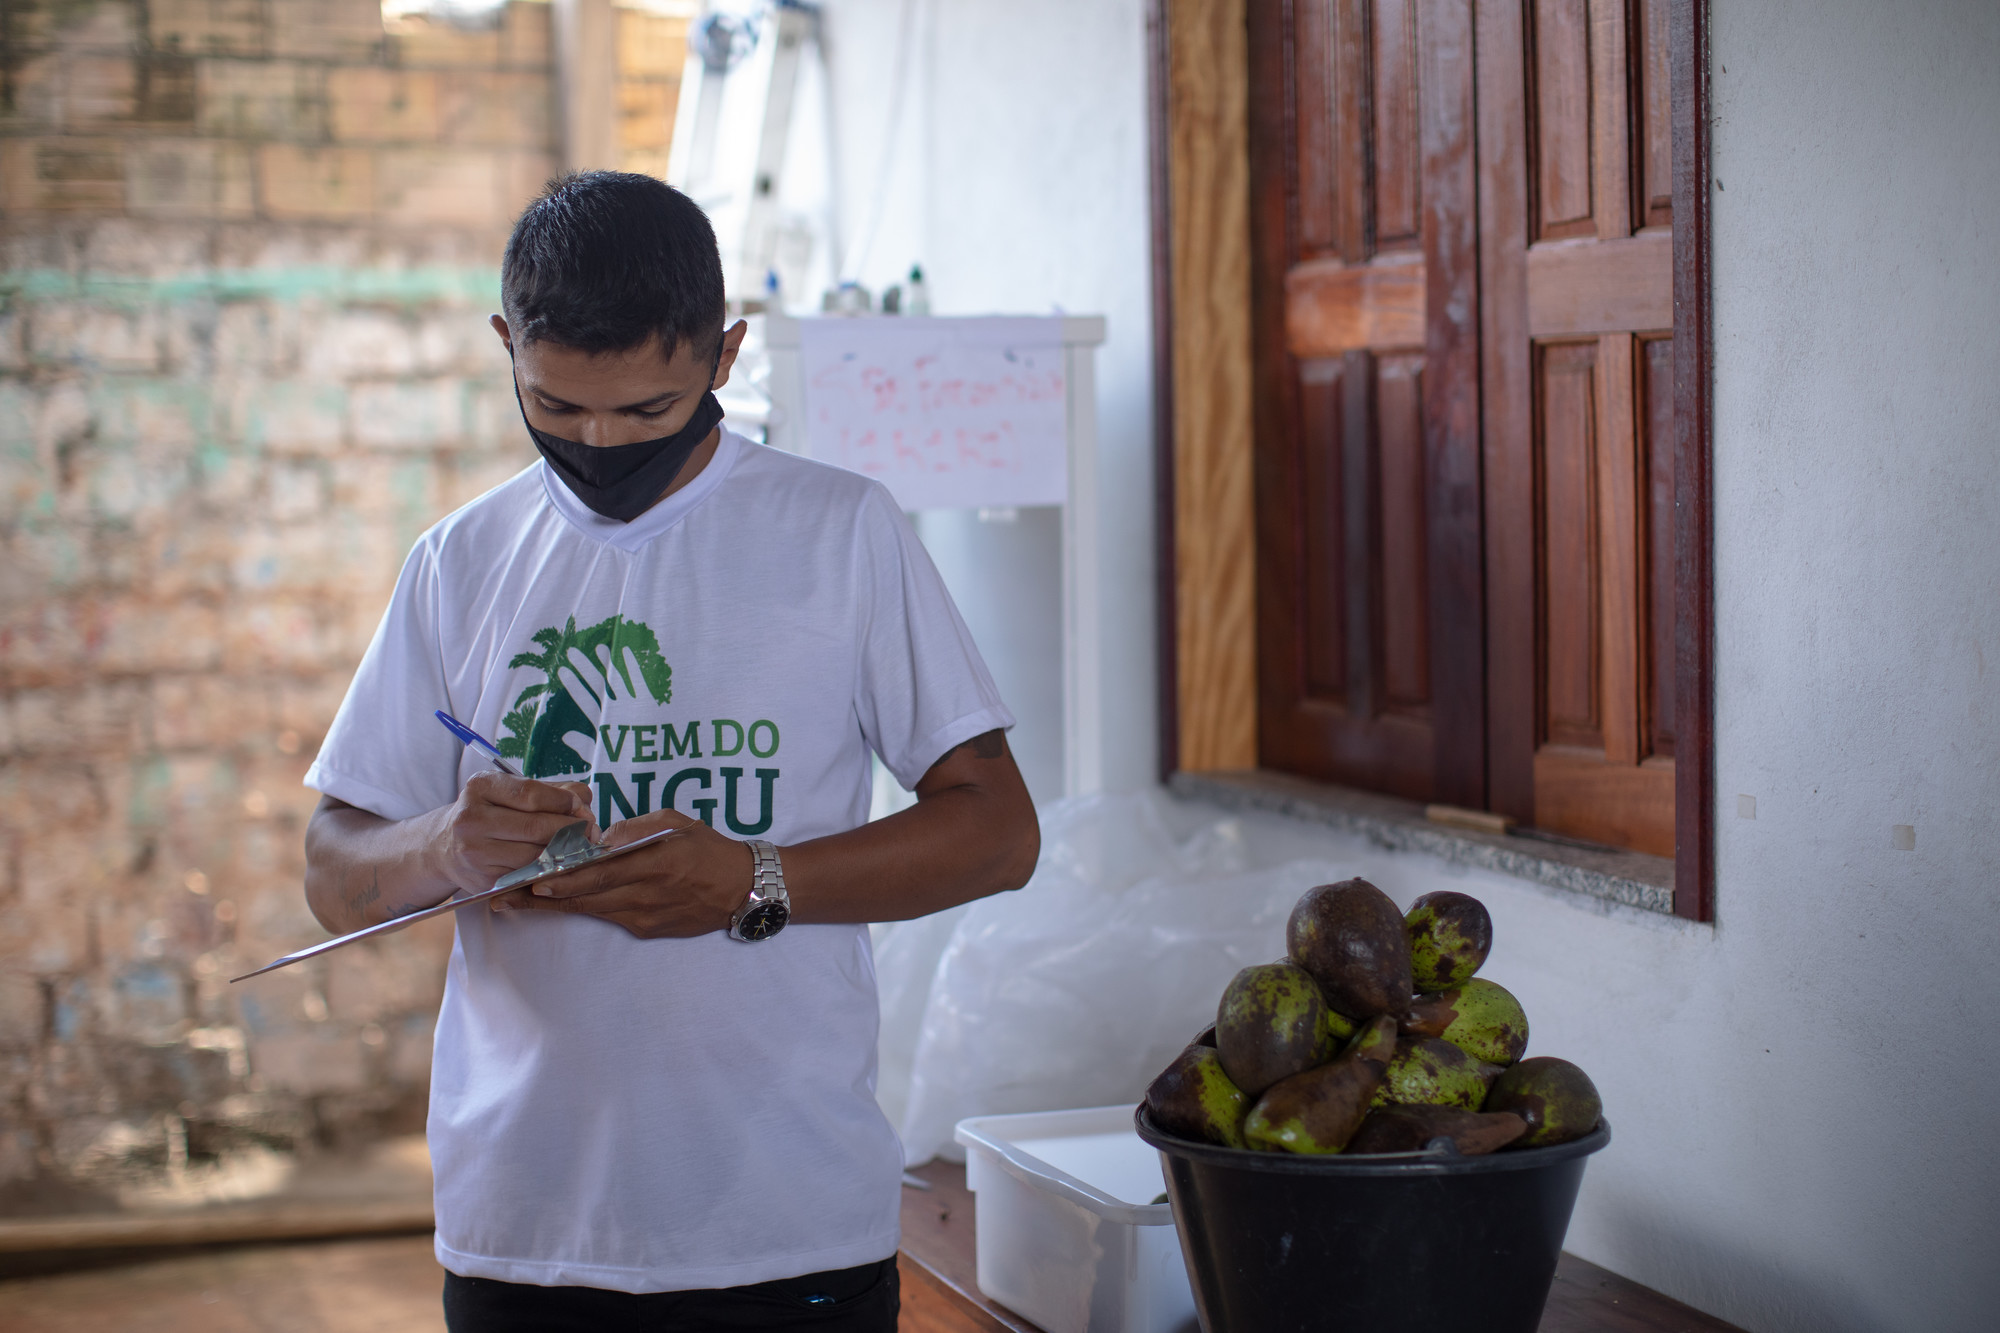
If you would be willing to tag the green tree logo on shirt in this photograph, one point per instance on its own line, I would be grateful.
(594, 662)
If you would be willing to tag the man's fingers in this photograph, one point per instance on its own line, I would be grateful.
(526, 794)
(502, 841)
(587, 881)
(496, 824)
(591, 880)
(618, 898)
(625, 907)
(580, 791)
(631, 830)
(629, 914)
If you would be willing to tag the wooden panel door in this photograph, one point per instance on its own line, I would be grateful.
(1577, 245)
(1365, 299)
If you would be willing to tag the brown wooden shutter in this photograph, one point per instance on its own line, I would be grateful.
(1464, 403)
(1370, 609)
(1578, 248)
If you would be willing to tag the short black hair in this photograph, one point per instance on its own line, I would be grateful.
(604, 260)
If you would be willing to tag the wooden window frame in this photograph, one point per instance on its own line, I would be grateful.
(1205, 522)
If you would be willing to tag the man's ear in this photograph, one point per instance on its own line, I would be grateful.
(732, 343)
(500, 327)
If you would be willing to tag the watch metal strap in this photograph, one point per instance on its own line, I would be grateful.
(767, 875)
(767, 885)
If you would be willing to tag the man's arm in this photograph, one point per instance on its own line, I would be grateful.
(362, 869)
(971, 833)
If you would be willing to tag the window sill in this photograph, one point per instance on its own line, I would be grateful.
(1633, 879)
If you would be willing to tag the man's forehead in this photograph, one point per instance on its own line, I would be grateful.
(645, 365)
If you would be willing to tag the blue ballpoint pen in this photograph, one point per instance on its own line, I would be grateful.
(477, 742)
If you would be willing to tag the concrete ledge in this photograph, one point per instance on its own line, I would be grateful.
(382, 1189)
(251, 1222)
(1631, 878)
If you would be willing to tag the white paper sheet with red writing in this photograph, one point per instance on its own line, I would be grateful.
(948, 413)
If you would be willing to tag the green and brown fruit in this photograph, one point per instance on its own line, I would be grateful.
(1430, 1014)
(1194, 1098)
(1481, 1018)
(1271, 1024)
(1444, 1064)
(1319, 1110)
(1429, 1071)
(1351, 938)
(1450, 935)
(1374, 1041)
(1413, 1128)
(1556, 1099)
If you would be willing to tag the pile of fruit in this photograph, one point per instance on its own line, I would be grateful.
(1373, 1036)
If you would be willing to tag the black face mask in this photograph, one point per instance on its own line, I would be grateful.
(621, 481)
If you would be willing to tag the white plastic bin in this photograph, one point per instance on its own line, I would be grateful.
(1069, 1235)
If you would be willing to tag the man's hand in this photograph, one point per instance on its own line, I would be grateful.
(686, 885)
(362, 870)
(500, 823)
(972, 832)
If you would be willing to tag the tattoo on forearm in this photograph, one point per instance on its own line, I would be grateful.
(368, 897)
(991, 745)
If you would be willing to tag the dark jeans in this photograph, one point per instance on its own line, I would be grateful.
(847, 1300)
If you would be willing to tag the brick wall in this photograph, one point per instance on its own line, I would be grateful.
(249, 246)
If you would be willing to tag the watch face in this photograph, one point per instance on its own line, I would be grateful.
(764, 920)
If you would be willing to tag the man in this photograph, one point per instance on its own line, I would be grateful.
(652, 1093)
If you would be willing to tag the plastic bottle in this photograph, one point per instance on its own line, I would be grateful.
(849, 298)
(917, 296)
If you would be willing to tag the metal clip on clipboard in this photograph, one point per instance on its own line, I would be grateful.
(570, 849)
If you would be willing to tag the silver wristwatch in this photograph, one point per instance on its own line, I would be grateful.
(769, 906)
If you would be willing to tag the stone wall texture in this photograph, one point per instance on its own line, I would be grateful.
(249, 248)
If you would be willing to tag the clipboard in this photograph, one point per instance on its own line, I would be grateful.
(570, 849)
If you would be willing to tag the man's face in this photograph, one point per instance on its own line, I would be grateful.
(607, 398)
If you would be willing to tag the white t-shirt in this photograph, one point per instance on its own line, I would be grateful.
(661, 1115)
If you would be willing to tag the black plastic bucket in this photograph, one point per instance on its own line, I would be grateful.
(1403, 1243)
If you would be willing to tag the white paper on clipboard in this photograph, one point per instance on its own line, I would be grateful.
(947, 413)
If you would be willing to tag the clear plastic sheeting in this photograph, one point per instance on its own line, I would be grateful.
(1079, 988)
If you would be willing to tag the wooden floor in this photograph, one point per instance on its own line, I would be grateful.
(392, 1285)
(386, 1285)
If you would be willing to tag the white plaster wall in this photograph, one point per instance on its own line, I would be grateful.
(1005, 573)
(1806, 1095)
(1017, 177)
(1857, 450)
